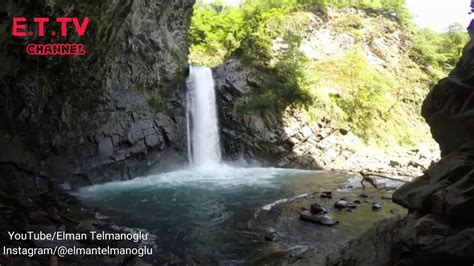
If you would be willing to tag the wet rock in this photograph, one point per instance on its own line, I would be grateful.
(376, 206)
(351, 205)
(65, 187)
(323, 219)
(317, 209)
(326, 194)
(341, 204)
(297, 251)
(270, 234)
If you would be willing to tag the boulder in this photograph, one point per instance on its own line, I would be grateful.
(412, 240)
(449, 107)
(447, 188)
(321, 218)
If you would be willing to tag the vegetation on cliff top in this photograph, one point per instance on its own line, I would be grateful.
(381, 105)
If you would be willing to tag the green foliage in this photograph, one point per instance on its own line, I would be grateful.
(438, 52)
(215, 32)
(350, 21)
(377, 104)
(157, 103)
(363, 94)
(287, 81)
(218, 31)
(395, 9)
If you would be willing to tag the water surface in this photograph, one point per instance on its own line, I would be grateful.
(219, 215)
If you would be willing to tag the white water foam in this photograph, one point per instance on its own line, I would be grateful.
(280, 201)
(219, 177)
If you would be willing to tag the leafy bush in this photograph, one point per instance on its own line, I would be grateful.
(363, 94)
(438, 52)
(283, 84)
(215, 32)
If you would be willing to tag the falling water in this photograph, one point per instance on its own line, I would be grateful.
(203, 132)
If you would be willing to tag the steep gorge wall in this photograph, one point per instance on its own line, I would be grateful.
(439, 229)
(289, 137)
(102, 116)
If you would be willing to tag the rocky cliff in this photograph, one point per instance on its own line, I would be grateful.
(102, 116)
(290, 137)
(439, 229)
(448, 107)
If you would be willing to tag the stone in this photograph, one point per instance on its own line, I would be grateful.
(445, 188)
(326, 194)
(151, 140)
(306, 132)
(376, 206)
(351, 205)
(317, 209)
(412, 240)
(106, 147)
(297, 251)
(322, 219)
(341, 204)
(270, 234)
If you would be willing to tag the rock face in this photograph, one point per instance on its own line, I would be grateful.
(440, 227)
(448, 108)
(290, 140)
(413, 240)
(102, 116)
(446, 188)
(287, 137)
(255, 136)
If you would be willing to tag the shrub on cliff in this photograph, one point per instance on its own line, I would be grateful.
(381, 105)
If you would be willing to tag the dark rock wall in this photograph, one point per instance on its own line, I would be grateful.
(449, 108)
(256, 136)
(102, 116)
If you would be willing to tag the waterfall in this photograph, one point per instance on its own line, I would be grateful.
(202, 127)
